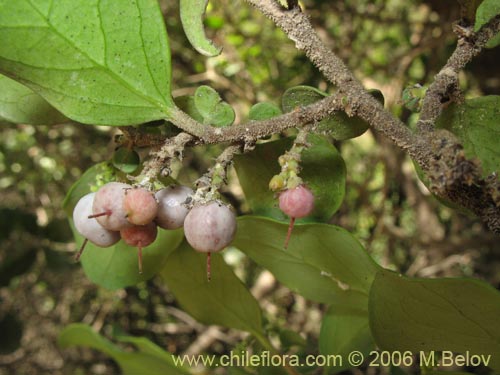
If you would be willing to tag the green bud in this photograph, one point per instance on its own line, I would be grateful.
(277, 183)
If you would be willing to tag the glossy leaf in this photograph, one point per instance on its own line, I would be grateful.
(486, 11)
(116, 266)
(323, 171)
(323, 262)
(214, 111)
(148, 359)
(192, 12)
(97, 62)
(339, 125)
(263, 111)
(475, 123)
(344, 331)
(224, 300)
(126, 160)
(20, 105)
(456, 315)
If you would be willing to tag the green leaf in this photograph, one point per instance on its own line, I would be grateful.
(214, 111)
(187, 104)
(97, 62)
(116, 266)
(323, 171)
(224, 300)
(486, 11)
(20, 105)
(192, 12)
(344, 329)
(475, 123)
(149, 359)
(339, 125)
(459, 315)
(126, 160)
(263, 111)
(323, 262)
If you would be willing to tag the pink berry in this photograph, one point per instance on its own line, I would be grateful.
(108, 206)
(139, 236)
(140, 206)
(210, 228)
(171, 210)
(90, 228)
(296, 203)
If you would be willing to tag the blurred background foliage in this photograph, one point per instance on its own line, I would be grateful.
(388, 44)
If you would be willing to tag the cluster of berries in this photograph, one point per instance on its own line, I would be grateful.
(119, 211)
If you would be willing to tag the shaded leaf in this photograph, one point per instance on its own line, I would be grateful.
(186, 103)
(192, 12)
(456, 315)
(339, 125)
(20, 105)
(212, 108)
(486, 11)
(224, 300)
(97, 62)
(126, 160)
(475, 123)
(149, 359)
(323, 262)
(263, 111)
(323, 171)
(12, 332)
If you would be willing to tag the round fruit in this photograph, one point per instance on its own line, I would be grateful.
(171, 208)
(140, 206)
(297, 202)
(108, 206)
(210, 227)
(90, 228)
(139, 236)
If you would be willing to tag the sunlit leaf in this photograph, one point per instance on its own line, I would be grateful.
(98, 62)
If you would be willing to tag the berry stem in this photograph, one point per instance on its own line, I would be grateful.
(209, 266)
(105, 213)
(289, 233)
(139, 258)
(79, 254)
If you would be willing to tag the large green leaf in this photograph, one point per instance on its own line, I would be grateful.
(323, 262)
(192, 12)
(98, 62)
(323, 171)
(339, 125)
(116, 266)
(486, 11)
(224, 300)
(20, 105)
(475, 123)
(459, 315)
(345, 329)
(149, 359)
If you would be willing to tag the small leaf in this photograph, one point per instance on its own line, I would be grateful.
(214, 111)
(149, 359)
(20, 105)
(192, 12)
(126, 160)
(323, 262)
(187, 104)
(116, 266)
(344, 331)
(459, 315)
(263, 111)
(475, 123)
(323, 171)
(339, 125)
(223, 300)
(105, 63)
(486, 11)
